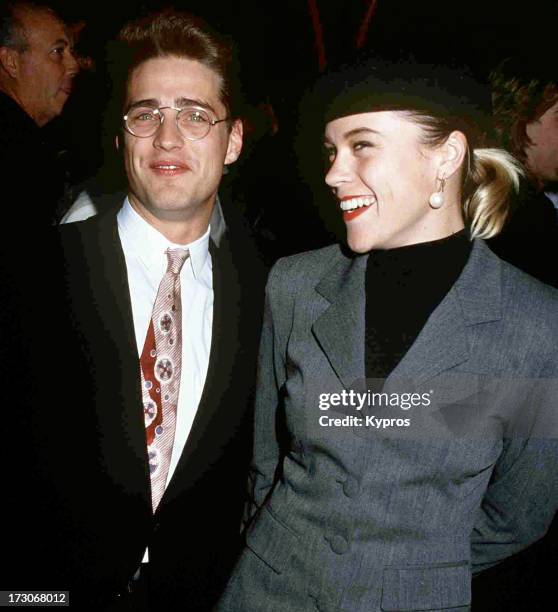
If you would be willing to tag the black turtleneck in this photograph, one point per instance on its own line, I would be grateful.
(403, 287)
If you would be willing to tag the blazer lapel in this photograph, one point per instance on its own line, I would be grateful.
(109, 340)
(117, 307)
(339, 329)
(444, 341)
(200, 447)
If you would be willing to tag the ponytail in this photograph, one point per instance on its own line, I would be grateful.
(493, 177)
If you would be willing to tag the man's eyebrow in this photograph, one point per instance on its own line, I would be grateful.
(151, 102)
(179, 103)
(61, 41)
(182, 102)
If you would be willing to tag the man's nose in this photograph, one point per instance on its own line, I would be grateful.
(72, 63)
(168, 135)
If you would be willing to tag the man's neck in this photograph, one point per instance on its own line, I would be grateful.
(174, 228)
(10, 93)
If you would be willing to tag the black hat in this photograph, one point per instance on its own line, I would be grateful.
(374, 84)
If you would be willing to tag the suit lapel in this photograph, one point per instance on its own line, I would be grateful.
(444, 341)
(213, 412)
(106, 365)
(117, 365)
(339, 329)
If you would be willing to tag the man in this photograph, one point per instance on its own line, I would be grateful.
(37, 67)
(525, 101)
(525, 107)
(143, 469)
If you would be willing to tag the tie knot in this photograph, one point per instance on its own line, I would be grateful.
(176, 259)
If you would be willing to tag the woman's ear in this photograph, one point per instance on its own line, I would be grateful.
(453, 154)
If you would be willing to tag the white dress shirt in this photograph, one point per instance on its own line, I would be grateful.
(144, 251)
(85, 207)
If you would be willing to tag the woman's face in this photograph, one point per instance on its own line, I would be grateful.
(383, 176)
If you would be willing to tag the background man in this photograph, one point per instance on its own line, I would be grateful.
(142, 460)
(37, 67)
(525, 102)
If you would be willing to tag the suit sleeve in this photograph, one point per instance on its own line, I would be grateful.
(271, 377)
(522, 497)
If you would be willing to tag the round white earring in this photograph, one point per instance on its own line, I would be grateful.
(436, 200)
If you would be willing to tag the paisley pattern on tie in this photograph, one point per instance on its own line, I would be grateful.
(160, 362)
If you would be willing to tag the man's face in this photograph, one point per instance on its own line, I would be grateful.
(46, 68)
(542, 153)
(170, 177)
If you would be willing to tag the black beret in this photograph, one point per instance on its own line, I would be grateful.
(374, 84)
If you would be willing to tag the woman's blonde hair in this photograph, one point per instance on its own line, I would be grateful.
(490, 183)
(490, 176)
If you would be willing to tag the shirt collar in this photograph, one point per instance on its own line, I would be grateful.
(149, 244)
(553, 197)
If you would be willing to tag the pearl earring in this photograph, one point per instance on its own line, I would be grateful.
(437, 199)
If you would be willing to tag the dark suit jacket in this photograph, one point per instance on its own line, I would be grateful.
(35, 185)
(89, 468)
(530, 238)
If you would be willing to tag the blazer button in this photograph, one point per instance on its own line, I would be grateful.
(351, 487)
(339, 545)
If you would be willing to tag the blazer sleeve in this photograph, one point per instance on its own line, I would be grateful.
(271, 377)
(522, 497)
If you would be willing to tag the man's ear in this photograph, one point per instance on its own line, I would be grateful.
(235, 142)
(117, 142)
(454, 151)
(9, 59)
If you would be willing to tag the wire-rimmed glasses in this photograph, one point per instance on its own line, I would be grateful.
(193, 122)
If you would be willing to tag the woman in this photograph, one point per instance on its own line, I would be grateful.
(394, 451)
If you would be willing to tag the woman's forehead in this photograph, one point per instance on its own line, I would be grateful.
(383, 124)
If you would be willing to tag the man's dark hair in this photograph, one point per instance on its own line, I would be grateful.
(523, 89)
(172, 33)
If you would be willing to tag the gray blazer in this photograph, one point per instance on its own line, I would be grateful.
(351, 514)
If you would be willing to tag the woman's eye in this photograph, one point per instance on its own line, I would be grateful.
(329, 153)
(361, 144)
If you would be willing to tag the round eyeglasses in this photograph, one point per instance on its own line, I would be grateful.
(193, 122)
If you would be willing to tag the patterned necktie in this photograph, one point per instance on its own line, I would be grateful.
(160, 373)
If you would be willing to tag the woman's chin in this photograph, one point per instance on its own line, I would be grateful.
(361, 244)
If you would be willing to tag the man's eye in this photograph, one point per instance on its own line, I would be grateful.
(143, 116)
(58, 52)
(195, 117)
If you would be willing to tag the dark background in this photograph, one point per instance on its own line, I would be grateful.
(279, 59)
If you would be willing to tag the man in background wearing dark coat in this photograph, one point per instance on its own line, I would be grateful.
(525, 101)
(37, 67)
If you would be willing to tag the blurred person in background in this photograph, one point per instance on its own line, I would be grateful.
(525, 110)
(37, 69)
